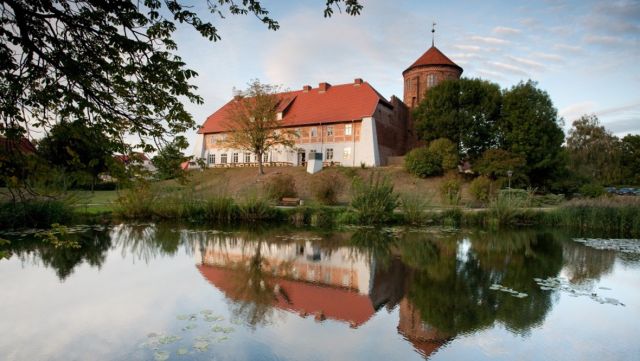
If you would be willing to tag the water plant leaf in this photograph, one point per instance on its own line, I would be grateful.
(182, 351)
(201, 345)
(161, 356)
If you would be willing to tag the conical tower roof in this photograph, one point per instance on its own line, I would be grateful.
(433, 56)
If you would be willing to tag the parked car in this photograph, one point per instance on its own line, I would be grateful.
(626, 192)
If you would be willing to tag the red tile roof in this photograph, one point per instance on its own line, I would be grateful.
(433, 56)
(334, 303)
(339, 103)
(22, 145)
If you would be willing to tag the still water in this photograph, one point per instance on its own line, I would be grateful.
(159, 292)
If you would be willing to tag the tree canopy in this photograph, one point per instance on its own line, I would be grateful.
(112, 63)
(464, 111)
(593, 151)
(253, 122)
(529, 126)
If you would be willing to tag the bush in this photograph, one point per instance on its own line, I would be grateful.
(423, 163)
(256, 209)
(447, 151)
(450, 190)
(325, 188)
(592, 190)
(280, 186)
(482, 189)
(38, 213)
(373, 200)
(413, 208)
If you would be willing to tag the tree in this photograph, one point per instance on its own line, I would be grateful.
(78, 149)
(112, 63)
(169, 160)
(464, 111)
(496, 163)
(593, 151)
(631, 158)
(253, 122)
(529, 126)
(447, 151)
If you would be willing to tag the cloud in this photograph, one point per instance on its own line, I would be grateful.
(509, 68)
(468, 47)
(576, 110)
(603, 40)
(568, 48)
(489, 40)
(490, 74)
(527, 62)
(503, 30)
(549, 57)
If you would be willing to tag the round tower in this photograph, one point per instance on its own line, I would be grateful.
(425, 73)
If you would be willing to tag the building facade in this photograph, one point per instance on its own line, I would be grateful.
(347, 124)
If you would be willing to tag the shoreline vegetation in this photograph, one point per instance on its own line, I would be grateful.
(373, 202)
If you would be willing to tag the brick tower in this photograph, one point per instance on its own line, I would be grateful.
(430, 69)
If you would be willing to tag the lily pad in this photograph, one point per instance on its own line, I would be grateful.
(201, 346)
(182, 351)
(161, 356)
(190, 326)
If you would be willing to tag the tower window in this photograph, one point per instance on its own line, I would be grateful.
(431, 80)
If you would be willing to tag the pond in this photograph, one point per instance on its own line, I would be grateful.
(170, 292)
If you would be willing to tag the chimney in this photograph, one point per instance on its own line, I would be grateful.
(357, 81)
(306, 88)
(323, 87)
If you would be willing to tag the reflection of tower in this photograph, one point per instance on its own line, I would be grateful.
(425, 338)
(426, 72)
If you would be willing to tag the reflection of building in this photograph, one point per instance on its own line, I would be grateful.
(425, 338)
(340, 284)
(333, 284)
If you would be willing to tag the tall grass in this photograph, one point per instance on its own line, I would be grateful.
(614, 215)
(373, 200)
(38, 213)
(413, 208)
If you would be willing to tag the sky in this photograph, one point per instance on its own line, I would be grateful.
(585, 54)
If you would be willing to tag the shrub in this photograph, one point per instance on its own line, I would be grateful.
(325, 188)
(39, 213)
(413, 208)
(592, 190)
(423, 163)
(482, 189)
(280, 186)
(450, 190)
(374, 200)
(447, 151)
(256, 209)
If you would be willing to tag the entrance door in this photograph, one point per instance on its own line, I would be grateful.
(302, 157)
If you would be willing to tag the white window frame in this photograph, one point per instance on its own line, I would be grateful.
(346, 153)
(329, 153)
(265, 157)
(234, 158)
(223, 158)
(431, 80)
(348, 129)
(211, 159)
(329, 130)
(247, 157)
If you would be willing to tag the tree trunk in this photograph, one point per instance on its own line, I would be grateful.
(260, 167)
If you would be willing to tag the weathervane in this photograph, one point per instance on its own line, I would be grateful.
(433, 33)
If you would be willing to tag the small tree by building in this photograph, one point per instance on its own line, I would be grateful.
(253, 121)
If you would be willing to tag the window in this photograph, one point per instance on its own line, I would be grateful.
(314, 132)
(347, 153)
(329, 154)
(212, 159)
(223, 158)
(212, 139)
(247, 157)
(330, 130)
(431, 80)
(348, 129)
(265, 157)
(234, 158)
(298, 132)
(222, 138)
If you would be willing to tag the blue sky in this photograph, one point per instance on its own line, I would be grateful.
(585, 54)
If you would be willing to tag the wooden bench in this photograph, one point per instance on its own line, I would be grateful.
(289, 201)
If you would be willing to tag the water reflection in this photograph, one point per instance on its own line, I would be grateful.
(437, 282)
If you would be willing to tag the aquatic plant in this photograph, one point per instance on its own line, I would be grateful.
(373, 200)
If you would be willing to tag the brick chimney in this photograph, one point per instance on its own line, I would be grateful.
(323, 87)
(357, 81)
(306, 88)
